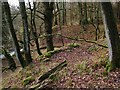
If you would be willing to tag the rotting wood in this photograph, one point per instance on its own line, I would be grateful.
(47, 74)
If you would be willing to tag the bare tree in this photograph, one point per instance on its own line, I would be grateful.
(33, 26)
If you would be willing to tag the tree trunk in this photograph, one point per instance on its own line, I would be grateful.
(60, 24)
(26, 32)
(85, 14)
(12, 31)
(48, 16)
(33, 27)
(47, 74)
(91, 12)
(118, 11)
(82, 17)
(97, 17)
(71, 14)
(11, 61)
(80, 12)
(64, 13)
(111, 34)
(34, 24)
(96, 21)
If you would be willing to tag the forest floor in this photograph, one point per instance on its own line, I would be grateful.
(86, 64)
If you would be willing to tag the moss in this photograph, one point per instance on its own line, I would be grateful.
(73, 45)
(50, 53)
(28, 80)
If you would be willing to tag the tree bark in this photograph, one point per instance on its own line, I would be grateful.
(80, 12)
(64, 13)
(47, 74)
(118, 11)
(12, 31)
(85, 14)
(33, 27)
(48, 16)
(60, 23)
(111, 34)
(26, 32)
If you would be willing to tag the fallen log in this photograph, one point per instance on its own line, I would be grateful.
(82, 39)
(76, 39)
(47, 74)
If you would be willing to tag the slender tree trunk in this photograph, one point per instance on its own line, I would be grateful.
(33, 24)
(91, 12)
(111, 34)
(97, 17)
(55, 16)
(12, 31)
(81, 15)
(48, 24)
(118, 11)
(97, 30)
(80, 11)
(26, 32)
(71, 16)
(60, 24)
(85, 13)
(64, 12)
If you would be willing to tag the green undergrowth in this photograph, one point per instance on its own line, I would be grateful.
(92, 48)
(73, 45)
(50, 53)
(83, 67)
(28, 80)
(100, 63)
(105, 63)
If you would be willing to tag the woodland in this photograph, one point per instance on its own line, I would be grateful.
(59, 45)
